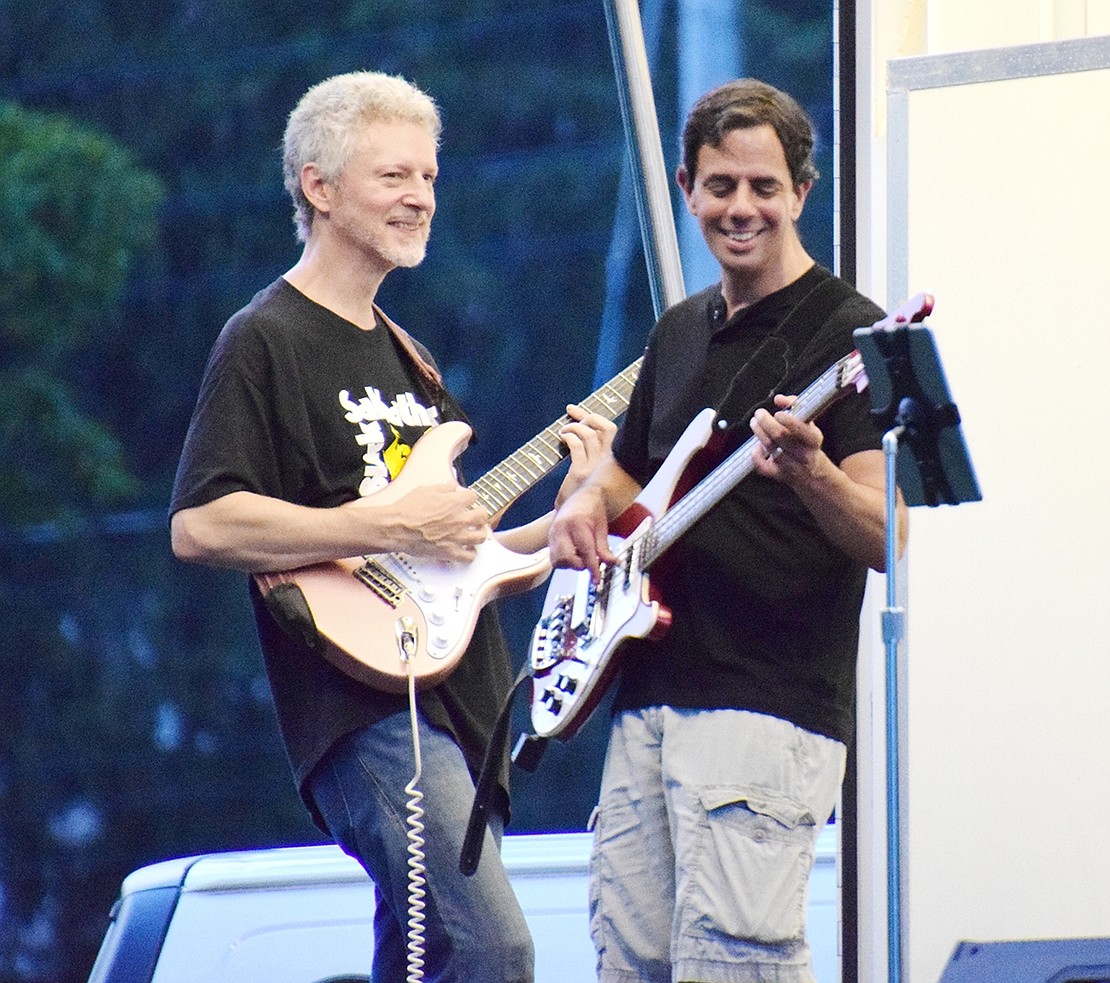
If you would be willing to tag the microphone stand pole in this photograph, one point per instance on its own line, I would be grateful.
(911, 402)
(893, 628)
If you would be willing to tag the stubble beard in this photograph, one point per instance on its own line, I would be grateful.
(407, 256)
(408, 253)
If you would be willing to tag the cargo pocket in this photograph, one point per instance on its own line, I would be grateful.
(753, 862)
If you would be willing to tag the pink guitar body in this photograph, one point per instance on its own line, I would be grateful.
(385, 614)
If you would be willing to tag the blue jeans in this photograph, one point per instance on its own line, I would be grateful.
(705, 837)
(474, 929)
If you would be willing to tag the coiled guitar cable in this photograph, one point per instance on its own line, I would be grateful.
(417, 881)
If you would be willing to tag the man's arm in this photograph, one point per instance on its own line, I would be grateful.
(589, 438)
(255, 533)
(579, 533)
(849, 502)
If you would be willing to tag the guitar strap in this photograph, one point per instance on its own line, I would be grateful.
(766, 370)
(486, 787)
(428, 372)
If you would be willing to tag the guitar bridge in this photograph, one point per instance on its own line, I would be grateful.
(381, 582)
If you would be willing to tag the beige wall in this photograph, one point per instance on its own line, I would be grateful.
(1006, 683)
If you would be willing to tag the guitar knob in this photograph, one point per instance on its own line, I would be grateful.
(567, 684)
(426, 593)
(551, 701)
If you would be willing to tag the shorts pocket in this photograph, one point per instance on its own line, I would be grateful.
(753, 863)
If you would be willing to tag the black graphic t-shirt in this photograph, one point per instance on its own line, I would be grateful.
(300, 404)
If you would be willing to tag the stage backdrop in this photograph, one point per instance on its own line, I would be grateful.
(998, 203)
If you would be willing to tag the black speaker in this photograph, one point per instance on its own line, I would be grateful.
(1041, 961)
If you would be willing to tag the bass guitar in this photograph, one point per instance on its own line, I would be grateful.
(381, 616)
(575, 647)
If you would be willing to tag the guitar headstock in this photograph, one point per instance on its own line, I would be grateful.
(911, 311)
(852, 372)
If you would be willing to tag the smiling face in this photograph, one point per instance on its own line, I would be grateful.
(747, 205)
(381, 204)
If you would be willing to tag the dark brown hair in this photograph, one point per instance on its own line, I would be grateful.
(742, 104)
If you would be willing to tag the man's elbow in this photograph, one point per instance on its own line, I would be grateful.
(879, 561)
(187, 537)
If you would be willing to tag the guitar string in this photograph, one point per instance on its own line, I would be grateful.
(523, 478)
(665, 531)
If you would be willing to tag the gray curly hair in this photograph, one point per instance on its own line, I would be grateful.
(321, 127)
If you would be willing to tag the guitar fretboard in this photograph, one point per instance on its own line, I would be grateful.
(503, 484)
(674, 523)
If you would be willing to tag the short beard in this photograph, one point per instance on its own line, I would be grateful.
(408, 257)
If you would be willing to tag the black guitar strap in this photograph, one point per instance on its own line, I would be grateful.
(486, 788)
(763, 374)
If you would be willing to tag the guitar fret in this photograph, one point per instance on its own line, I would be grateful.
(505, 482)
(501, 487)
(738, 465)
(523, 465)
(556, 449)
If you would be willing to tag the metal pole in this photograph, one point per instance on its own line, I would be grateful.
(893, 624)
(641, 126)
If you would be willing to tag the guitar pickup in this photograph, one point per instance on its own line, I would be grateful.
(582, 606)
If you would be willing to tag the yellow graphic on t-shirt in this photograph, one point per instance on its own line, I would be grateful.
(396, 454)
(382, 463)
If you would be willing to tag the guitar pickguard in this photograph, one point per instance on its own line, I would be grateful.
(574, 647)
(387, 613)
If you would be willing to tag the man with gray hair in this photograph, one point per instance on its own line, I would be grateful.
(311, 401)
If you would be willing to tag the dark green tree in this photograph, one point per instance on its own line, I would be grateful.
(132, 700)
(75, 209)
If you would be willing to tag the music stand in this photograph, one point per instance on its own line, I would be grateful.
(911, 402)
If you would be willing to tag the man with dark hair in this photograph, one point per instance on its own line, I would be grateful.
(310, 404)
(729, 734)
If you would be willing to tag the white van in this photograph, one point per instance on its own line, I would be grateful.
(303, 915)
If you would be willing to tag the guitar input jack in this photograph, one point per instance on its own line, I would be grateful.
(405, 629)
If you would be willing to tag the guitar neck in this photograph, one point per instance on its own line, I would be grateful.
(677, 521)
(503, 484)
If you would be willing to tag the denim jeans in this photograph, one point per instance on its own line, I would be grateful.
(474, 929)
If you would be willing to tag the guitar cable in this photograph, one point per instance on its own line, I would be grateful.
(417, 880)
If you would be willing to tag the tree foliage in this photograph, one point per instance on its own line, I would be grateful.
(76, 209)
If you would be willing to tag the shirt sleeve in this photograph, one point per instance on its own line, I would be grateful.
(229, 444)
(848, 426)
(630, 445)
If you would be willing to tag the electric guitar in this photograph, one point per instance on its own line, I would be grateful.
(575, 645)
(380, 615)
